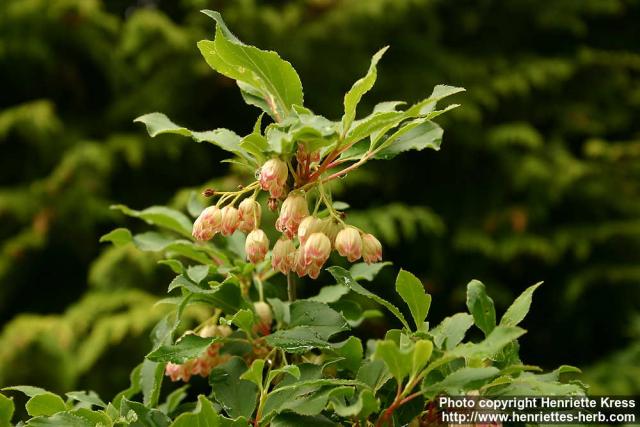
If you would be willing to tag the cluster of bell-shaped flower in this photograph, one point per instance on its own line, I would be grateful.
(316, 238)
(202, 365)
(307, 240)
(214, 220)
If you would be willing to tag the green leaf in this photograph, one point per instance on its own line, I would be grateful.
(376, 123)
(354, 95)
(45, 404)
(363, 406)
(324, 320)
(399, 361)
(244, 319)
(237, 396)
(28, 390)
(188, 347)
(421, 355)
(520, 307)
(426, 106)
(161, 216)
(305, 397)
(6, 410)
(457, 382)
(151, 376)
(144, 416)
(329, 294)
(307, 402)
(119, 237)
(481, 306)
(290, 419)
(450, 332)
(493, 343)
(226, 296)
(364, 271)
(174, 399)
(197, 273)
(204, 415)
(254, 373)
(298, 340)
(343, 277)
(374, 373)
(261, 74)
(291, 370)
(414, 136)
(90, 397)
(158, 124)
(412, 292)
(352, 352)
(66, 419)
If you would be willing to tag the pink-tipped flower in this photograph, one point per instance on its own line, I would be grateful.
(349, 243)
(256, 246)
(179, 372)
(298, 264)
(230, 220)
(316, 252)
(207, 224)
(283, 255)
(273, 177)
(308, 226)
(249, 212)
(293, 210)
(371, 248)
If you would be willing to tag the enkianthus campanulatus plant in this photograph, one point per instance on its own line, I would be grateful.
(273, 362)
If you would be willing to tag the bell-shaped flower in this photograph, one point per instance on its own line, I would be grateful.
(230, 220)
(349, 243)
(207, 224)
(273, 177)
(256, 245)
(249, 212)
(292, 212)
(283, 255)
(371, 248)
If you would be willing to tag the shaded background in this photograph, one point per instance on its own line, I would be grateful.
(537, 179)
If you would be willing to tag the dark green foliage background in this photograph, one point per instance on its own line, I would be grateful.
(538, 177)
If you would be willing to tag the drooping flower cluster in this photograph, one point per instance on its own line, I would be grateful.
(206, 362)
(316, 239)
(307, 240)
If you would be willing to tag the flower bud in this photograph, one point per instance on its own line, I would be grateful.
(224, 331)
(349, 243)
(249, 212)
(207, 224)
(316, 252)
(293, 210)
(208, 331)
(307, 227)
(230, 220)
(273, 176)
(256, 245)
(264, 312)
(371, 248)
(283, 255)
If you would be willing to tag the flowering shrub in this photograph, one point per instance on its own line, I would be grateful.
(271, 360)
